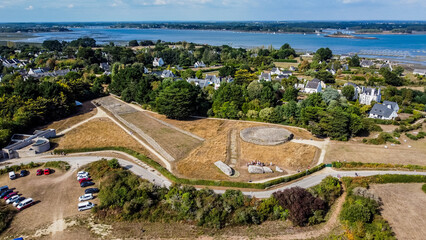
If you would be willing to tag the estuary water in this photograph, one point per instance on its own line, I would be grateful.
(407, 48)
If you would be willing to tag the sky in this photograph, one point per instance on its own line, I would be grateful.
(208, 10)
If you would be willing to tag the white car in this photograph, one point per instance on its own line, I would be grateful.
(85, 197)
(83, 176)
(18, 202)
(12, 199)
(85, 206)
(82, 173)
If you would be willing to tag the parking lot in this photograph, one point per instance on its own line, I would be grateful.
(56, 196)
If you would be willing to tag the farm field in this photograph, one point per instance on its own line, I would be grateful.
(406, 215)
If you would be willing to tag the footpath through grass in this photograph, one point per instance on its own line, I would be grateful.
(200, 182)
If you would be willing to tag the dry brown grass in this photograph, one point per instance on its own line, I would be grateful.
(359, 152)
(404, 207)
(86, 111)
(200, 162)
(174, 142)
(99, 132)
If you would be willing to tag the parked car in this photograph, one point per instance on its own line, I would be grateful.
(47, 171)
(19, 238)
(82, 173)
(12, 175)
(82, 176)
(4, 193)
(24, 173)
(85, 206)
(86, 184)
(24, 204)
(39, 172)
(84, 180)
(85, 197)
(91, 190)
(17, 201)
(3, 188)
(10, 195)
(12, 199)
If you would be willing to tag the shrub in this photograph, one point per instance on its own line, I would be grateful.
(301, 204)
(113, 163)
(6, 216)
(420, 135)
(58, 164)
(328, 190)
(424, 188)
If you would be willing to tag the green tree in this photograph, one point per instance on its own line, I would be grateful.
(349, 92)
(178, 100)
(354, 61)
(325, 76)
(133, 43)
(323, 54)
(244, 76)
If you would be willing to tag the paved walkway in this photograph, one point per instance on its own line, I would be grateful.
(151, 175)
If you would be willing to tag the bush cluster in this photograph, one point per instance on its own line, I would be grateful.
(383, 138)
(420, 135)
(17, 168)
(125, 196)
(58, 164)
(360, 165)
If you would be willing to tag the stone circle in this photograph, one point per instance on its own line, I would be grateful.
(267, 136)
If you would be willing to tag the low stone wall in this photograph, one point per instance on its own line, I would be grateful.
(267, 136)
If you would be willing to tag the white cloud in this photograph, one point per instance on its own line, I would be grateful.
(70, 5)
(29, 7)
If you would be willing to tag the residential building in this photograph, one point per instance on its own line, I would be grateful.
(158, 62)
(387, 110)
(105, 66)
(366, 63)
(293, 68)
(265, 76)
(212, 79)
(367, 95)
(313, 86)
(276, 71)
(199, 64)
(421, 72)
(167, 74)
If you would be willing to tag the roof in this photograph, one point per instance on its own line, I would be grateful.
(368, 91)
(351, 84)
(265, 75)
(392, 104)
(381, 110)
(313, 84)
(367, 62)
(420, 71)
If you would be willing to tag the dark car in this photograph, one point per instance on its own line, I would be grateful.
(39, 172)
(86, 184)
(91, 190)
(3, 194)
(84, 180)
(23, 173)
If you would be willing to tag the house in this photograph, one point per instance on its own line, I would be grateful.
(366, 63)
(265, 76)
(202, 83)
(332, 71)
(313, 86)
(421, 72)
(199, 64)
(367, 95)
(10, 62)
(387, 110)
(276, 71)
(356, 88)
(145, 70)
(167, 74)
(44, 72)
(345, 67)
(212, 79)
(158, 62)
(344, 56)
(386, 65)
(104, 66)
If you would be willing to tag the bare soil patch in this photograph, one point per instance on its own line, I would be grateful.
(84, 112)
(57, 196)
(404, 207)
(99, 132)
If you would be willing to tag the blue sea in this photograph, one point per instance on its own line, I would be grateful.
(408, 48)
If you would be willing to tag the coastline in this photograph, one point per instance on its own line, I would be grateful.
(349, 36)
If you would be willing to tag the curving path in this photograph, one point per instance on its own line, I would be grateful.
(76, 160)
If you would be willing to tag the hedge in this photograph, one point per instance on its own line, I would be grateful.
(186, 181)
(376, 165)
(17, 168)
(286, 60)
